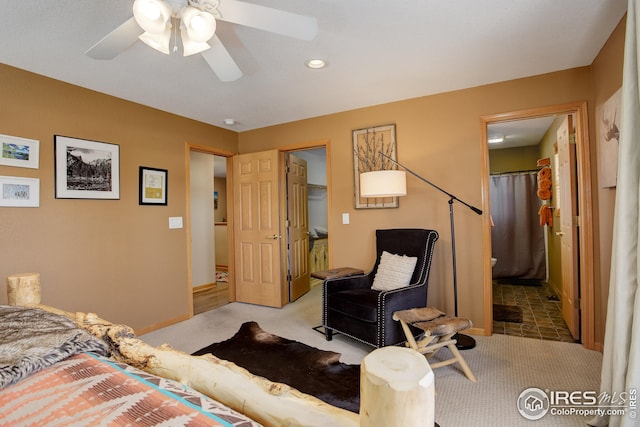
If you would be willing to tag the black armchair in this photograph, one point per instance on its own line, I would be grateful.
(351, 307)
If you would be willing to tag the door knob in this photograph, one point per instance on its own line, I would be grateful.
(274, 237)
(559, 233)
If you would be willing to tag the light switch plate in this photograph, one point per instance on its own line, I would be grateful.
(345, 218)
(175, 222)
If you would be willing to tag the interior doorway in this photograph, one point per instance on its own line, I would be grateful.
(527, 264)
(584, 252)
(208, 224)
(317, 251)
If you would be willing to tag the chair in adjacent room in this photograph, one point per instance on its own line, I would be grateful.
(362, 306)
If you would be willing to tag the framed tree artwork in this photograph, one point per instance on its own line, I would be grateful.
(368, 143)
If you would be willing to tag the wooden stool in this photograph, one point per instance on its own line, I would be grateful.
(439, 330)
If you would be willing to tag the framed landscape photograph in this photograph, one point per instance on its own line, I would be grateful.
(20, 152)
(86, 169)
(19, 192)
(153, 186)
(368, 143)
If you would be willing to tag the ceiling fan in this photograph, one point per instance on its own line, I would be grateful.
(153, 20)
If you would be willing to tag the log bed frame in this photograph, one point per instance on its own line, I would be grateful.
(396, 383)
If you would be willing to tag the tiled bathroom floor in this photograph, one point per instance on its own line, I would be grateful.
(542, 317)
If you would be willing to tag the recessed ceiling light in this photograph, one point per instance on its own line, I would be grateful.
(229, 122)
(316, 63)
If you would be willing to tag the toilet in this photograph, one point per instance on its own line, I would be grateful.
(493, 262)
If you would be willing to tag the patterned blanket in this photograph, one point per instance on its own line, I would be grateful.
(88, 390)
(32, 339)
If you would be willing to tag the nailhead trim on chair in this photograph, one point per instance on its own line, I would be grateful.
(421, 281)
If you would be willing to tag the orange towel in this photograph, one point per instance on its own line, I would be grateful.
(546, 215)
(544, 184)
(544, 173)
(544, 162)
(544, 194)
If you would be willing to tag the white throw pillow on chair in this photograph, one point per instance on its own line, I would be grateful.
(394, 272)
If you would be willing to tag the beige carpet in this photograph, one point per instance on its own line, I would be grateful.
(504, 365)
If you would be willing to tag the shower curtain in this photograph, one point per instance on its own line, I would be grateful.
(517, 238)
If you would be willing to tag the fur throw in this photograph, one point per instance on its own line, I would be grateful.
(32, 339)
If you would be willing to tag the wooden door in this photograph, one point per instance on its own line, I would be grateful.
(257, 228)
(569, 228)
(297, 227)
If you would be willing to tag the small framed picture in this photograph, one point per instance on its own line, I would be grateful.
(153, 186)
(19, 192)
(86, 169)
(20, 152)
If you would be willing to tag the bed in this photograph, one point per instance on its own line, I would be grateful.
(62, 368)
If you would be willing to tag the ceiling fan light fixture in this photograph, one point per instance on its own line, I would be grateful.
(159, 42)
(191, 47)
(152, 15)
(200, 25)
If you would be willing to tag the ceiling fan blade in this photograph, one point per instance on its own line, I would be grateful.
(221, 61)
(265, 18)
(116, 41)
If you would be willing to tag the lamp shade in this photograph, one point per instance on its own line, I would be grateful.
(152, 15)
(191, 47)
(159, 42)
(199, 25)
(384, 183)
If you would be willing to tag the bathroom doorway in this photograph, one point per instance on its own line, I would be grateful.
(492, 126)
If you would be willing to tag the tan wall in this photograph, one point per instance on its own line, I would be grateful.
(513, 159)
(121, 260)
(439, 137)
(607, 79)
(112, 257)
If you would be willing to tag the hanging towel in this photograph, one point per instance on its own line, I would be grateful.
(544, 162)
(544, 193)
(546, 215)
(544, 173)
(544, 184)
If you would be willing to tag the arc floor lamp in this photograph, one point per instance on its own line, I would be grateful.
(392, 183)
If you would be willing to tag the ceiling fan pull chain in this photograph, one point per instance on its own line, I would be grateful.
(175, 38)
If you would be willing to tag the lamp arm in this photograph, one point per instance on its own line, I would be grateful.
(451, 196)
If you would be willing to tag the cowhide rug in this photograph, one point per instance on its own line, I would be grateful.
(312, 371)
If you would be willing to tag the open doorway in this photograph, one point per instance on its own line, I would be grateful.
(525, 236)
(208, 230)
(583, 279)
(316, 255)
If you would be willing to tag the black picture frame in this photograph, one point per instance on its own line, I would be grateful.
(153, 184)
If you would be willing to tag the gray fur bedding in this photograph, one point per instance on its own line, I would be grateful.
(32, 339)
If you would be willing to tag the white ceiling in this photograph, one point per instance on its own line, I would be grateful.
(519, 133)
(377, 51)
